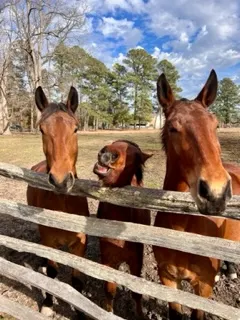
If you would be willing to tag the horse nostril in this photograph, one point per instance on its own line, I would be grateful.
(52, 180)
(106, 157)
(228, 191)
(204, 190)
(66, 183)
(70, 180)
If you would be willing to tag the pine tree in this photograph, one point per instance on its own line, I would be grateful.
(171, 74)
(141, 75)
(227, 101)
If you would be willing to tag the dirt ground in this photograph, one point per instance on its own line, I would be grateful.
(26, 150)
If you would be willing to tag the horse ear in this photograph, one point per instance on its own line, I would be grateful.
(164, 93)
(40, 99)
(72, 100)
(209, 92)
(145, 157)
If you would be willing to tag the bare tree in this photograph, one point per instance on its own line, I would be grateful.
(6, 43)
(39, 25)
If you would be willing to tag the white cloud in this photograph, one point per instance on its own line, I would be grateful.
(121, 30)
(104, 6)
(119, 59)
(196, 36)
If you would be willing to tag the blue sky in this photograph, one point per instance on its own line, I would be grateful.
(195, 36)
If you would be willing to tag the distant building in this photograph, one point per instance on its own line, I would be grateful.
(157, 121)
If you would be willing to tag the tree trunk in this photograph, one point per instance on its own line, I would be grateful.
(35, 56)
(135, 106)
(86, 122)
(4, 119)
(31, 117)
(157, 118)
(96, 124)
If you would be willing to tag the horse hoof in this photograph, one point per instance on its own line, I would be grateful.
(233, 276)
(43, 270)
(47, 311)
(81, 315)
(217, 278)
(224, 267)
(141, 317)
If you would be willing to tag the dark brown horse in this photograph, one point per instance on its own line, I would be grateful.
(121, 164)
(59, 127)
(194, 164)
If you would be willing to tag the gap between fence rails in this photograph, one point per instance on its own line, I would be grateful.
(59, 289)
(222, 249)
(143, 198)
(134, 283)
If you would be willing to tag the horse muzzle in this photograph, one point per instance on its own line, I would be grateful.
(64, 185)
(211, 203)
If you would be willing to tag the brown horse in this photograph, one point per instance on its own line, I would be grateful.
(59, 127)
(193, 164)
(121, 164)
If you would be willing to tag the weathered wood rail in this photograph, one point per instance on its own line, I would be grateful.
(152, 199)
(101, 272)
(18, 311)
(188, 242)
(58, 289)
(133, 197)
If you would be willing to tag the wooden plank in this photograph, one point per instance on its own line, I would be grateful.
(19, 311)
(188, 242)
(133, 197)
(59, 289)
(134, 283)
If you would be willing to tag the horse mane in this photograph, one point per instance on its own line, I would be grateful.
(140, 164)
(164, 137)
(55, 107)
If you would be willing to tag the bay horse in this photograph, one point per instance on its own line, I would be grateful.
(121, 164)
(193, 163)
(59, 125)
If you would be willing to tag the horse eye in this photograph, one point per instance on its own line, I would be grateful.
(114, 156)
(76, 130)
(173, 130)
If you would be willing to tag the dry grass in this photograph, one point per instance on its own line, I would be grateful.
(26, 150)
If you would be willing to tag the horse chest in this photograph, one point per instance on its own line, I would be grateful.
(112, 212)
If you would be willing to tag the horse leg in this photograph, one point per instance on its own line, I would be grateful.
(221, 267)
(175, 309)
(52, 272)
(110, 292)
(231, 271)
(78, 248)
(203, 289)
(135, 265)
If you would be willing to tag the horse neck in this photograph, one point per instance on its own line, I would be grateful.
(174, 181)
(134, 182)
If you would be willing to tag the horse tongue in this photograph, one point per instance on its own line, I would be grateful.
(102, 169)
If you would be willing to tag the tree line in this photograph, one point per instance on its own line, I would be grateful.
(37, 49)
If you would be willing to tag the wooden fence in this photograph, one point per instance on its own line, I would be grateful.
(130, 197)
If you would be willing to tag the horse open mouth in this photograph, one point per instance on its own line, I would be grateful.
(101, 170)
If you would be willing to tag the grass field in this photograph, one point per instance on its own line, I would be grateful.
(26, 150)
